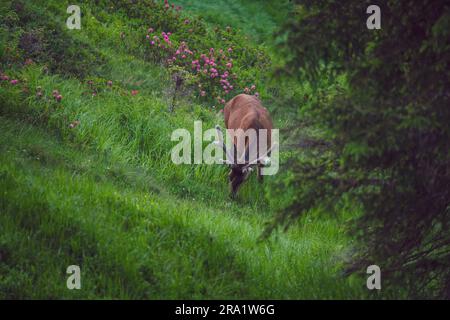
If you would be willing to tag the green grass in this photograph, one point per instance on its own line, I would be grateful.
(258, 19)
(62, 205)
(106, 196)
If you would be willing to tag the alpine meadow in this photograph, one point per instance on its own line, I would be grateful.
(91, 93)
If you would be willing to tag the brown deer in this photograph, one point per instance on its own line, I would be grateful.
(243, 114)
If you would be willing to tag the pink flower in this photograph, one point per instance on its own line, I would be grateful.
(230, 50)
(229, 65)
(134, 92)
(59, 98)
(14, 82)
(187, 21)
(257, 94)
(152, 43)
(150, 30)
(55, 93)
(203, 93)
(4, 77)
(253, 87)
(109, 83)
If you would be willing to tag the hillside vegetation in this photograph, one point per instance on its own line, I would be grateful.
(85, 172)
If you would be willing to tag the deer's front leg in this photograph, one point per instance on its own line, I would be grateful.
(260, 176)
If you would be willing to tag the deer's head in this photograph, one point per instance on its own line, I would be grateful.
(241, 167)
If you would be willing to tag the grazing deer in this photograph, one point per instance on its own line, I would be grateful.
(249, 122)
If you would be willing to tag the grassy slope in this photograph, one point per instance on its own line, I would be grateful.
(106, 196)
(61, 206)
(258, 18)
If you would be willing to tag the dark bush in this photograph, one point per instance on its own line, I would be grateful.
(41, 39)
(389, 124)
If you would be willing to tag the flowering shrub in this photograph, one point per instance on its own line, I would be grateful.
(213, 65)
(6, 79)
(211, 71)
(217, 64)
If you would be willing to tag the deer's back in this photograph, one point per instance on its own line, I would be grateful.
(245, 112)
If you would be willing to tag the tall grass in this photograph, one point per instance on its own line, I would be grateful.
(105, 195)
(62, 205)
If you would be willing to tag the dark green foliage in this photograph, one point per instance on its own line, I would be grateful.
(389, 123)
(29, 34)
